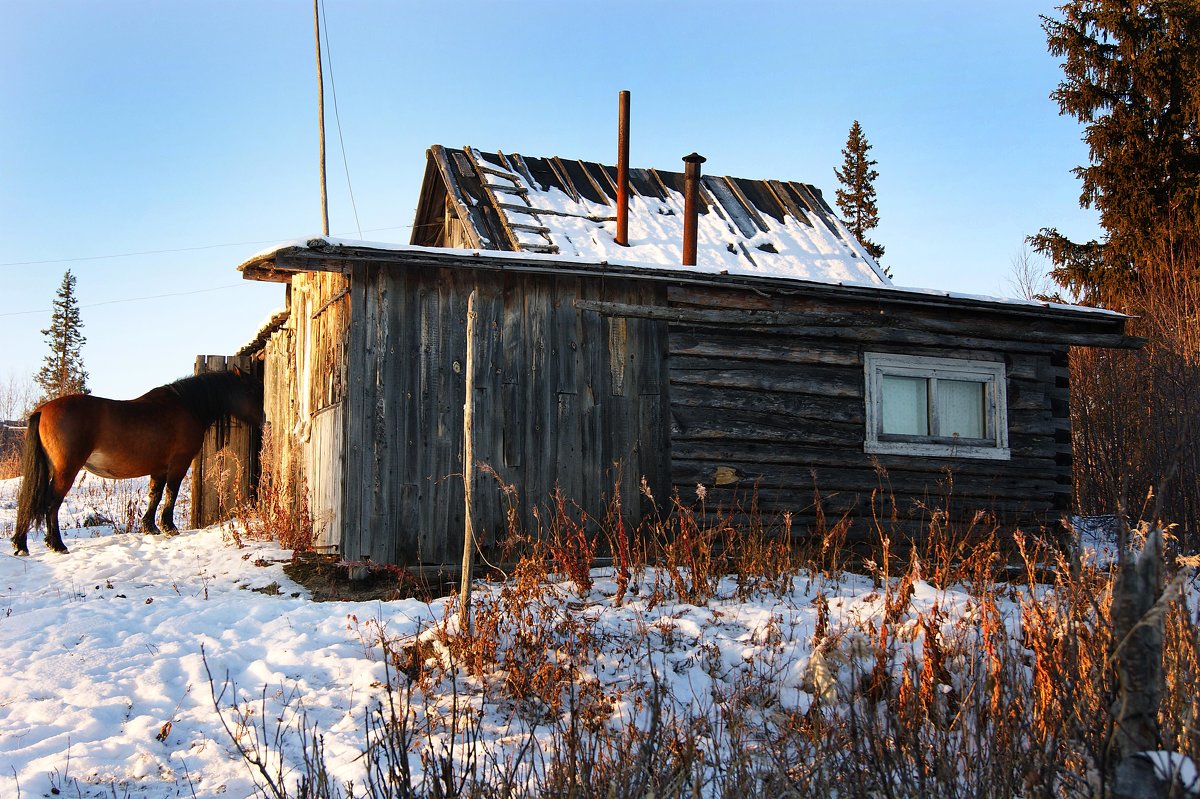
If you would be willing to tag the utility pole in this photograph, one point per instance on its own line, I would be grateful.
(321, 118)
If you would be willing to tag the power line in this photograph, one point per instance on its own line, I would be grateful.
(134, 254)
(174, 250)
(129, 299)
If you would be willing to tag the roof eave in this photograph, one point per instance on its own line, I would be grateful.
(323, 256)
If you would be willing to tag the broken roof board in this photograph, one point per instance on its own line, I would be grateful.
(565, 207)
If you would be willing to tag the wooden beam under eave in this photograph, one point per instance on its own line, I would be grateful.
(266, 273)
(922, 332)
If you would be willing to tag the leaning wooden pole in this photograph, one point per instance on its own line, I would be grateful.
(321, 118)
(464, 595)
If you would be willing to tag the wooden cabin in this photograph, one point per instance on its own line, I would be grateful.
(783, 365)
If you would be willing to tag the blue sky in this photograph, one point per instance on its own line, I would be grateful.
(180, 137)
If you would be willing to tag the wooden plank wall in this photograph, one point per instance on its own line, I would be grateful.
(781, 415)
(304, 391)
(564, 397)
(224, 479)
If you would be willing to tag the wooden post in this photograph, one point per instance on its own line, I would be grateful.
(321, 119)
(464, 596)
(1138, 608)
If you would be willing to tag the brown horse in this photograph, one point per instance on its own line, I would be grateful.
(158, 434)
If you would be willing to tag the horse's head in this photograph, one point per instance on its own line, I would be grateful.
(246, 401)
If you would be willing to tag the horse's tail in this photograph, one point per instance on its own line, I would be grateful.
(33, 501)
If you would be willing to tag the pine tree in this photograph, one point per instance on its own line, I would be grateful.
(62, 371)
(856, 198)
(1132, 77)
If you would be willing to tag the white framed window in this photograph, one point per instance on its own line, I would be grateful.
(941, 407)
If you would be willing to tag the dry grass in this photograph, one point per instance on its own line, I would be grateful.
(10, 463)
(1011, 695)
(279, 511)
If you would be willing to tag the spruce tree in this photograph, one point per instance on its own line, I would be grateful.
(1132, 77)
(62, 371)
(856, 198)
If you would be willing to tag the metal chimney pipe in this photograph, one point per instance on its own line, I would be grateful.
(623, 169)
(691, 202)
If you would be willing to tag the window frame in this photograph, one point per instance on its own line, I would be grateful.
(992, 374)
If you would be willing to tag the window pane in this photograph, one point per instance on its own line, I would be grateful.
(960, 408)
(905, 405)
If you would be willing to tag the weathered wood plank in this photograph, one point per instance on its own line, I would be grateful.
(541, 406)
(594, 389)
(933, 314)
(762, 426)
(964, 498)
(877, 327)
(565, 340)
(490, 422)
(360, 399)
(513, 370)
(815, 380)
(810, 406)
(726, 347)
(803, 457)
(407, 391)
(432, 542)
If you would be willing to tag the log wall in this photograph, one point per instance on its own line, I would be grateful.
(778, 411)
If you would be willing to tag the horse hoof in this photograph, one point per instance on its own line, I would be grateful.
(20, 552)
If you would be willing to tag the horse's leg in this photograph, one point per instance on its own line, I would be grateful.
(20, 541)
(53, 535)
(156, 490)
(59, 486)
(34, 495)
(168, 511)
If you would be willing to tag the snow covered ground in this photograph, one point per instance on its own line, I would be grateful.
(105, 688)
(103, 650)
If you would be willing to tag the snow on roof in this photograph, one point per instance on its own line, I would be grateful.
(562, 211)
(331, 244)
(568, 208)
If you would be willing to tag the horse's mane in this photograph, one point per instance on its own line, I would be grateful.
(208, 398)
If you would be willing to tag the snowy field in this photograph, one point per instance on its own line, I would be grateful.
(104, 681)
(105, 688)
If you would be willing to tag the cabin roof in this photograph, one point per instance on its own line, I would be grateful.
(279, 263)
(565, 207)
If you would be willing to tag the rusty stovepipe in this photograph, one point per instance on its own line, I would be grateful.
(623, 169)
(691, 202)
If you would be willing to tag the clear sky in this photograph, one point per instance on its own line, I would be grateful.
(150, 147)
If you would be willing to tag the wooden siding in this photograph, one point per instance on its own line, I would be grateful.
(564, 397)
(224, 479)
(781, 415)
(304, 393)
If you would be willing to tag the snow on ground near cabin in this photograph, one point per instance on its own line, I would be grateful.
(104, 689)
